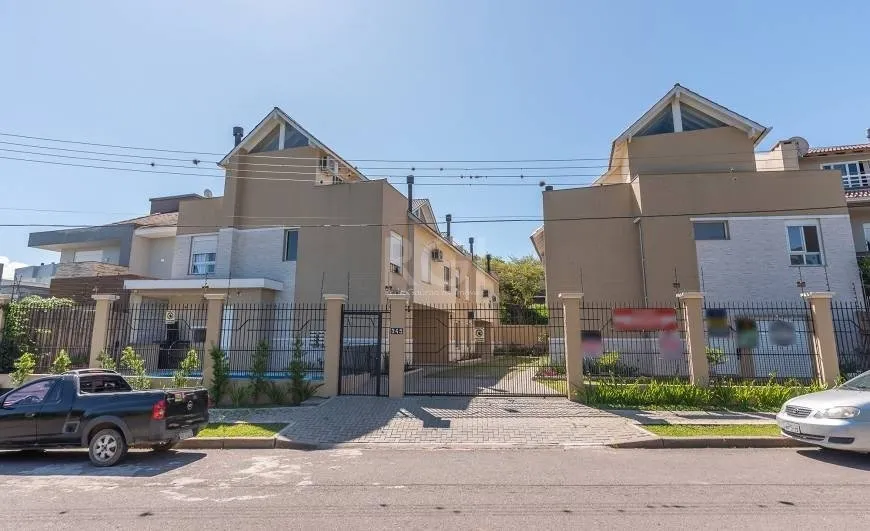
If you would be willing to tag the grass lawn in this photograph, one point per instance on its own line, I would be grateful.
(713, 430)
(560, 386)
(241, 430)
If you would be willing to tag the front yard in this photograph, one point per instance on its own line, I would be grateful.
(241, 429)
(714, 430)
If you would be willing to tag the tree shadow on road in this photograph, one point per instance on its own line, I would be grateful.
(837, 457)
(75, 463)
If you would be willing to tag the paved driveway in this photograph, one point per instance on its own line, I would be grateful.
(454, 422)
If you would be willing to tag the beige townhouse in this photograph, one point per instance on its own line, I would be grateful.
(687, 204)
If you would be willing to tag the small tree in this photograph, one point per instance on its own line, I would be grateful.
(23, 367)
(300, 388)
(259, 366)
(61, 363)
(220, 374)
(136, 365)
(189, 364)
(106, 362)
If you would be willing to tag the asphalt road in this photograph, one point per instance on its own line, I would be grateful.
(411, 489)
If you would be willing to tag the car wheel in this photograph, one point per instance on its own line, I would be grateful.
(107, 447)
(163, 447)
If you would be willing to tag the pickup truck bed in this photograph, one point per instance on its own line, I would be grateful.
(98, 410)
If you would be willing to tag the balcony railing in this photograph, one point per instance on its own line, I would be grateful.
(856, 181)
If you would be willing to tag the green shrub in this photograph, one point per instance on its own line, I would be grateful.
(61, 363)
(715, 356)
(131, 362)
(106, 362)
(18, 336)
(181, 377)
(239, 395)
(259, 366)
(300, 389)
(23, 367)
(276, 392)
(641, 394)
(220, 380)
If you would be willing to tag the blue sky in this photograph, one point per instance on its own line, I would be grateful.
(400, 79)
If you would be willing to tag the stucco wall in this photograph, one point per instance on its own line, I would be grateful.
(719, 149)
(859, 215)
(754, 263)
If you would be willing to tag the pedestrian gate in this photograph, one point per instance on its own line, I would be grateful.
(363, 366)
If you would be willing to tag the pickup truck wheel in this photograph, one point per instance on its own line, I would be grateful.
(107, 447)
(163, 447)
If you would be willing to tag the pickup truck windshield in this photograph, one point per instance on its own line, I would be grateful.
(103, 383)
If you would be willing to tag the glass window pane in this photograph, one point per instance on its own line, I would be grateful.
(853, 168)
(814, 259)
(797, 259)
(795, 239)
(291, 245)
(841, 167)
(811, 237)
(710, 230)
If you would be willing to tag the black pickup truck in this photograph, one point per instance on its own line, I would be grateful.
(98, 410)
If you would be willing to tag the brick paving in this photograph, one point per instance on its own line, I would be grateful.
(457, 422)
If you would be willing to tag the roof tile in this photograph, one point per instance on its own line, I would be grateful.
(834, 149)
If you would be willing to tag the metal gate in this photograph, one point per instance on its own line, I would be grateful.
(363, 367)
(514, 351)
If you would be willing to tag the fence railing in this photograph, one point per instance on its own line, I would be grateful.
(852, 331)
(45, 332)
(760, 341)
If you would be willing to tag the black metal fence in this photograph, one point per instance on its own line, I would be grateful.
(457, 350)
(625, 340)
(160, 334)
(45, 332)
(755, 341)
(267, 337)
(364, 359)
(852, 330)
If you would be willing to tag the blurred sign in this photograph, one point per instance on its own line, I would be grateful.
(479, 335)
(747, 332)
(317, 338)
(670, 345)
(397, 331)
(717, 322)
(782, 333)
(169, 317)
(639, 319)
(591, 344)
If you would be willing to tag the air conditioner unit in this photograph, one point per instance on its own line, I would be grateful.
(437, 255)
(394, 268)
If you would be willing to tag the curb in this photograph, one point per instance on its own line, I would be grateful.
(712, 442)
(227, 443)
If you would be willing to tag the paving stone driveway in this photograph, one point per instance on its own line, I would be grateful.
(455, 422)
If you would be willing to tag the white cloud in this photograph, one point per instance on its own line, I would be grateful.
(9, 267)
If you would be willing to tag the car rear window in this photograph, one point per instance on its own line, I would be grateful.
(103, 383)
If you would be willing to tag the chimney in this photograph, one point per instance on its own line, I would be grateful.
(868, 133)
(489, 263)
(548, 188)
(449, 219)
(471, 247)
(238, 133)
(410, 193)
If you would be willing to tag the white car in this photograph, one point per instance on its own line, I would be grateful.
(838, 418)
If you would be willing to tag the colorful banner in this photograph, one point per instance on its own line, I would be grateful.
(591, 343)
(644, 319)
(782, 333)
(671, 346)
(717, 322)
(747, 332)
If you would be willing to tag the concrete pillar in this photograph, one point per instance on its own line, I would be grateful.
(398, 314)
(214, 318)
(100, 330)
(824, 338)
(4, 301)
(573, 349)
(693, 321)
(332, 350)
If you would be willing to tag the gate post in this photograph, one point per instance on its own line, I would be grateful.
(396, 369)
(332, 343)
(4, 302)
(214, 316)
(824, 338)
(100, 330)
(573, 350)
(693, 321)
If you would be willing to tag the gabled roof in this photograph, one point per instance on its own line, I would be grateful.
(853, 148)
(169, 219)
(268, 123)
(422, 208)
(697, 103)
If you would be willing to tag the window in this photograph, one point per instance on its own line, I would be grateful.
(291, 245)
(89, 256)
(446, 278)
(854, 174)
(426, 266)
(269, 142)
(29, 395)
(710, 230)
(103, 384)
(866, 238)
(804, 244)
(203, 255)
(396, 252)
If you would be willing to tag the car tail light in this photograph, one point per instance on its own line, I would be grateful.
(158, 412)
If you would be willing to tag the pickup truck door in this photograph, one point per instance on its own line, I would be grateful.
(51, 420)
(19, 410)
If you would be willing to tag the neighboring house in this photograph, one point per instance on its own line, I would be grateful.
(41, 274)
(686, 204)
(100, 259)
(23, 288)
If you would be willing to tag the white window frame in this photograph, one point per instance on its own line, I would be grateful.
(201, 258)
(850, 180)
(396, 244)
(804, 253)
(426, 266)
